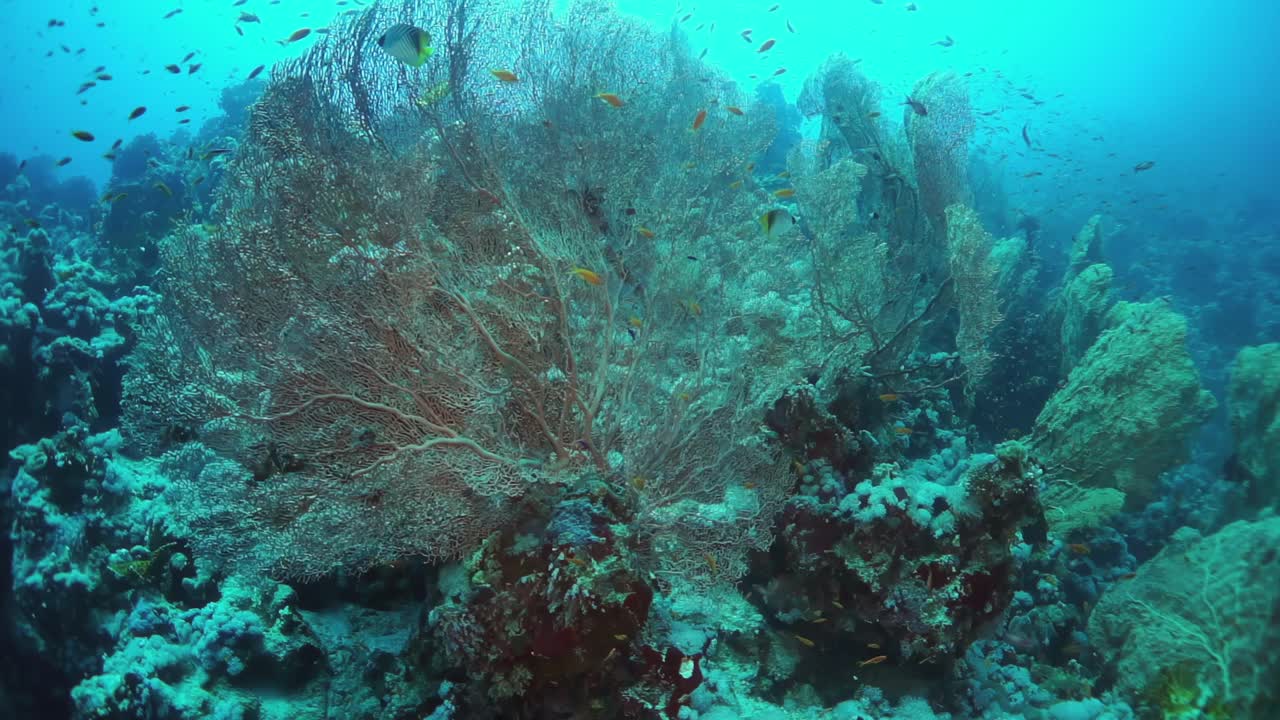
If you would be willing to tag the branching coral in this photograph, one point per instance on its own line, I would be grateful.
(975, 275)
(412, 329)
(940, 142)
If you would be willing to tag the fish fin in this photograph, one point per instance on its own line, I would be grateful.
(424, 46)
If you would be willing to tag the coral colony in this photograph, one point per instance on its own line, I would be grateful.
(427, 384)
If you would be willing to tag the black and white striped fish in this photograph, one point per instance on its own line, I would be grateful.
(408, 44)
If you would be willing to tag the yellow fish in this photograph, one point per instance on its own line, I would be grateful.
(589, 277)
(611, 98)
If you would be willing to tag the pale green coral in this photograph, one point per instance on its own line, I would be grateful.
(1203, 606)
(1080, 309)
(1069, 508)
(1255, 419)
(1128, 410)
(1083, 307)
(1086, 247)
(976, 276)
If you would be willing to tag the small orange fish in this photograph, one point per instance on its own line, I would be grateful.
(818, 621)
(505, 76)
(163, 188)
(874, 646)
(693, 307)
(839, 605)
(645, 232)
(620, 637)
(700, 118)
(749, 485)
(636, 322)
(83, 135)
(638, 482)
(903, 431)
(1128, 576)
(589, 277)
(611, 99)
(803, 640)
(1079, 549)
(785, 193)
(751, 166)
(873, 661)
(734, 109)
(711, 562)
(578, 561)
(735, 184)
(784, 174)
(766, 45)
(889, 397)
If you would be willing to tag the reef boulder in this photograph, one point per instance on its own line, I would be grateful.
(1127, 411)
(1255, 420)
(1194, 631)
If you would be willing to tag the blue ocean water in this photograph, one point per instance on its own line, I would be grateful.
(576, 359)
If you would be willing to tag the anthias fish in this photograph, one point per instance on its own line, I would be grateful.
(610, 98)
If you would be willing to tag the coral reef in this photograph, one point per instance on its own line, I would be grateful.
(1193, 630)
(911, 559)
(1128, 409)
(610, 391)
(212, 661)
(1255, 421)
(546, 621)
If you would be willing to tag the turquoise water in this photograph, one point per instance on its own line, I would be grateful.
(640, 360)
